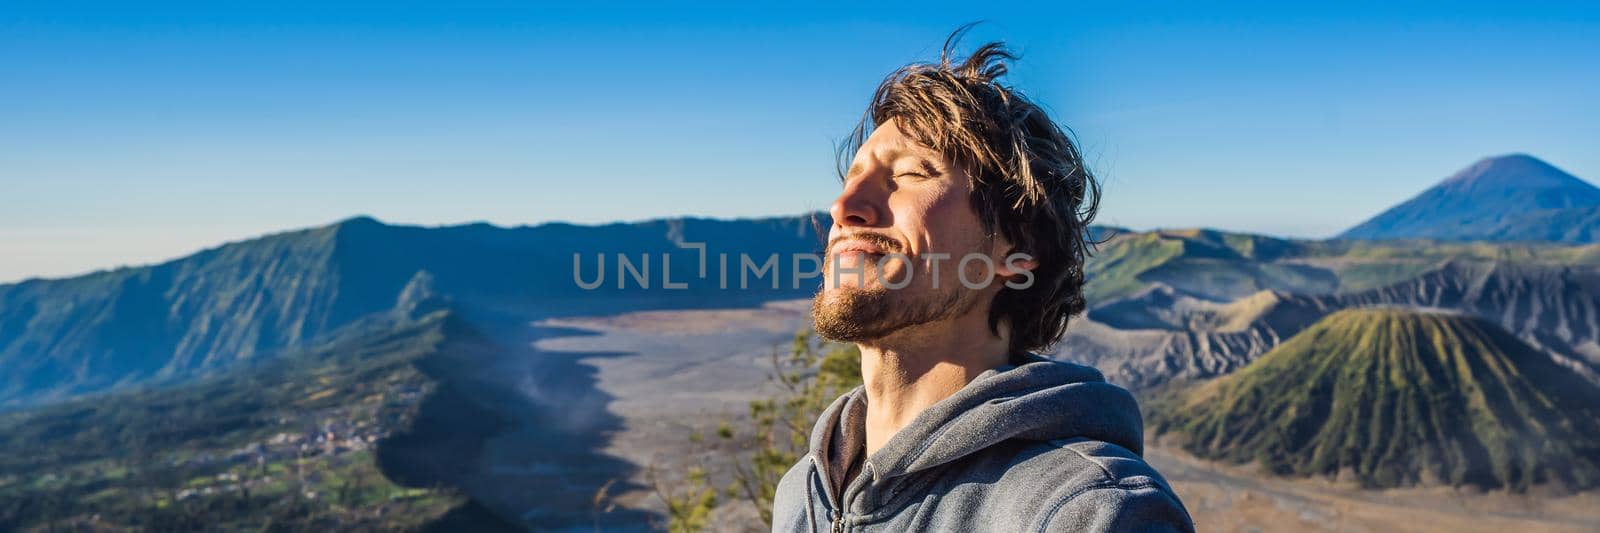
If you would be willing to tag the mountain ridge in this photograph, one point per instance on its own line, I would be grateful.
(253, 298)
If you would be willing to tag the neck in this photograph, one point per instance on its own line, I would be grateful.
(909, 371)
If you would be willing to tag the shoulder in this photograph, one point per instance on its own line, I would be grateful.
(789, 503)
(796, 477)
(1089, 485)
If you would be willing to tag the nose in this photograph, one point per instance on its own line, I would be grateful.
(864, 203)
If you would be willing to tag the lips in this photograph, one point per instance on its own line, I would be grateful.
(857, 247)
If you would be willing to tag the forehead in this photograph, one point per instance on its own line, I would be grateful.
(887, 144)
(889, 138)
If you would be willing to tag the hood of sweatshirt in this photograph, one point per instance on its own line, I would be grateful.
(1035, 398)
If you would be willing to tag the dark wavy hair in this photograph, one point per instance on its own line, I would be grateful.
(1029, 182)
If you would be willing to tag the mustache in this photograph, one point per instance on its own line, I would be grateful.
(888, 245)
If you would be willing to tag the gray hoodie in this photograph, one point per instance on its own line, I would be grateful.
(1040, 445)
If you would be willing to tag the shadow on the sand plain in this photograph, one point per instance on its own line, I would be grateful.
(520, 430)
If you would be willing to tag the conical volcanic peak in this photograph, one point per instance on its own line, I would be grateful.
(1512, 171)
(1389, 397)
(1506, 198)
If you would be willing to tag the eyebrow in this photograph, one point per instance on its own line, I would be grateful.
(896, 152)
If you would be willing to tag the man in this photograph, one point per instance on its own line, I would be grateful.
(957, 250)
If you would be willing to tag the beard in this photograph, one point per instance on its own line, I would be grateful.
(853, 314)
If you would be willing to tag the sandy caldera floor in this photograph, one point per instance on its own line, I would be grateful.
(687, 370)
(1224, 497)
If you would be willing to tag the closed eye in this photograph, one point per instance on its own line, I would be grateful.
(928, 171)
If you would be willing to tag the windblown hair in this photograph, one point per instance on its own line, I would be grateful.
(1029, 182)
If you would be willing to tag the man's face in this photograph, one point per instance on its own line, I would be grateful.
(901, 197)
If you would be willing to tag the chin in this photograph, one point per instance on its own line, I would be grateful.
(852, 314)
(843, 299)
(849, 286)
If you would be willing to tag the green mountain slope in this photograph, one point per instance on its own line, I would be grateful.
(228, 303)
(1208, 263)
(1220, 266)
(1387, 397)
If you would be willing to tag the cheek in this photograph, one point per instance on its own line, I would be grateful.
(916, 218)
(948, 225)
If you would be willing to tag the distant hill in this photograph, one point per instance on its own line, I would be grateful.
(1507, 198)
(1220, 266)
(1208, 263)
(1389, 398)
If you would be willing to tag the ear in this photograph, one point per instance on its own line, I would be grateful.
(1013, 263)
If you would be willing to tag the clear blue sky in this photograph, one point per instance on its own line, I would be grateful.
(133, 136)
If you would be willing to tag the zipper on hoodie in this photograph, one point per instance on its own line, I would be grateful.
(844, 496)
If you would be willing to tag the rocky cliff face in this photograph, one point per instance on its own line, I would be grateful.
(1552, 307)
